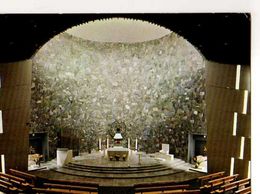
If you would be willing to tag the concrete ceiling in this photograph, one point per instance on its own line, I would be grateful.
(220, 37)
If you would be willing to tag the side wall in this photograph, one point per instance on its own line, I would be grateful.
(15, 95)
(223, 102)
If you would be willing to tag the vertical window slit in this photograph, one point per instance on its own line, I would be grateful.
(238, 77)
(232, 162)
(3, 163)
(242, 144)
(235, 124)
(245, 102)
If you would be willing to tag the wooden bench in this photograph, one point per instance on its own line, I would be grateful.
(245, 190)
(12, 178)
(72, 182)
(233, 186)
(17, 182)
(185, 192)
(32, 179)
(159, 186)
(71, 187)
(213, 184)
(52, 190)
(210, 177)
(159, 183)
(68, 185)
(7, 187)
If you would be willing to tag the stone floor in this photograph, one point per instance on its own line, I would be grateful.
(95, 168)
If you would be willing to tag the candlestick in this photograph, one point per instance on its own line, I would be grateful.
(136, 144)
(99, 145)
(107, 142)
(129, 145)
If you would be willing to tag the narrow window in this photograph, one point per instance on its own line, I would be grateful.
(232, 162)
(245, 102)
(235, 124)
(249, 169)
(242, 143)
(238, 77)
(1, 122)
(3, 163)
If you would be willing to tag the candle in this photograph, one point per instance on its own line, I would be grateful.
(129, 146)
(99, 141)
(107, 142)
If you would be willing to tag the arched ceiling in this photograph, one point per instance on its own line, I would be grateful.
(118, 30)
(221, 37)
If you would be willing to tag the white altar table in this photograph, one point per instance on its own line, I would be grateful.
(117, 153)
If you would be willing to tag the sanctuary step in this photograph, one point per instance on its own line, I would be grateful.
(114, 170)
(109, 174)
(117, 165)
(95, 167)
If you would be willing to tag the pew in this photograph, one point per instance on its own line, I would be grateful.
(71, 187)
(32, 179)
(186, 192)
(13, 179)
(7, 187)
(215, 183)
(245, 190)
(72, 182)
(210, 177)
(54, 190)
(16, 182)
(158, 187)
(75, 185)
(159, 183)
(233, 186)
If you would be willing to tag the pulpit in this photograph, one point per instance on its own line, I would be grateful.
(164, 153)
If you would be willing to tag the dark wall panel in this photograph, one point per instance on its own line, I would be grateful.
(15, 74)
(222, 101)
(15, 105)
(244, 125)
(221, 76)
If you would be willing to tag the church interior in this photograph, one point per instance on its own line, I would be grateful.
(125, 103)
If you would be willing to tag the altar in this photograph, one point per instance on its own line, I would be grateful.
(117, 153)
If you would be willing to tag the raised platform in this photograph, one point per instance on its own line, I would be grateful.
(96, 168)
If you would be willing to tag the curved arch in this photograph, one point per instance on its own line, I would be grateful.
(151, 21)
(122, 30)
(135, 83)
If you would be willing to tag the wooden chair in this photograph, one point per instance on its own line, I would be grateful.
(245, 190)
